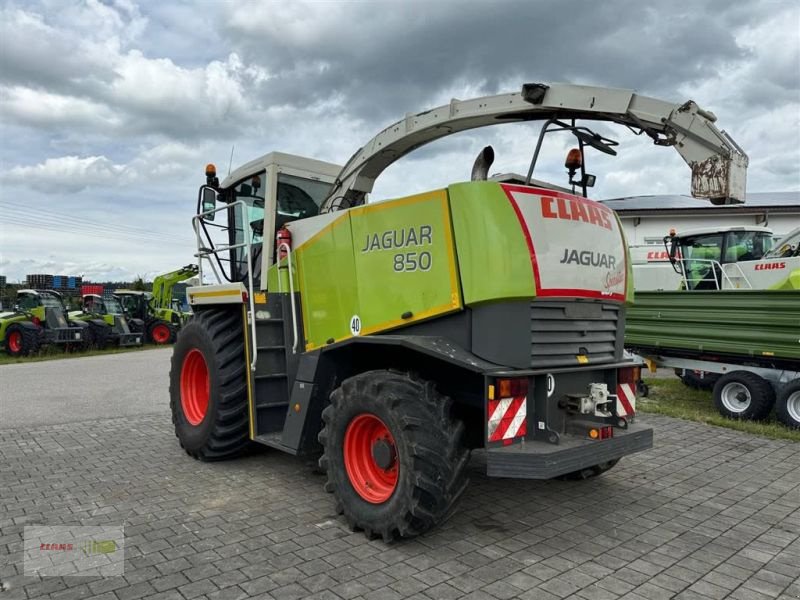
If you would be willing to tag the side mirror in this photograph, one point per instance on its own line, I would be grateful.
(209, 203)
(673, 249)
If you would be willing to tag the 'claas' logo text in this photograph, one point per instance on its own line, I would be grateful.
(770, 266)
(576, 209)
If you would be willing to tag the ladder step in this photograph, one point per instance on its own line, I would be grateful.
(272, 376)
(272, 405)
(270, 320)
(278, 347)
(274, 440)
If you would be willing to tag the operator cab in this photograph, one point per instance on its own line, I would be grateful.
(261, 197)
(30, 299)
(699, 254)
(96, 304)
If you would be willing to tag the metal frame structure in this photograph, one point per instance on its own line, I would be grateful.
(204, 252)
(718, 164)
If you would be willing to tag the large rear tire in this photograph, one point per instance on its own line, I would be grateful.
(393, 454)
(208, 386)
(743, 395)
(787, 407)
(21, 341)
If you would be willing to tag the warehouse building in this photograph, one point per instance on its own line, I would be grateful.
(647, 219)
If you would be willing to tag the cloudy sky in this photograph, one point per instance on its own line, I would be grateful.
(110, 109)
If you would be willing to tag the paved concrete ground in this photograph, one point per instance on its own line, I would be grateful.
(65, 390)
(708, 513)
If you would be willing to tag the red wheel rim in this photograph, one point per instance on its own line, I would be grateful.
(160, 334)
(15, 341)
(194, 387)
(365, 437)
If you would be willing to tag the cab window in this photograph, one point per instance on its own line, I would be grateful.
(246, 225)
(27, 302)
(298, 198)
(747, 245)
(699, 255)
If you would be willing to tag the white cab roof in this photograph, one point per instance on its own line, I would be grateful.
(712, 230)
(281, 159)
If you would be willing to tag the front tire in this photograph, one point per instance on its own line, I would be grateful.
(96, 335)
(208, 386)
(393, 454)
(787, 407)
(21, 341)
(743, 395)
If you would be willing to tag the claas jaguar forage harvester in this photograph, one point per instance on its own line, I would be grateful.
(395, 337)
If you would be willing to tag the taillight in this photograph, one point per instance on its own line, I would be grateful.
(37, 321)
(509, 388)
(601, 433)
(506, 410)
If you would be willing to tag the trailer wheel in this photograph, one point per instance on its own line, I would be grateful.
(393, 454)
(208, 386)
(589, 472)
(162, 333)
(21, 341)
(743, 395)
(787, 408)
(699, 380)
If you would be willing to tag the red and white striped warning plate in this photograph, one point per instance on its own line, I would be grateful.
(626, 400)
(507, 418)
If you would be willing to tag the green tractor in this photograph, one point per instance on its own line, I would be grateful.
(108, 324)
(165, 305)
(40, 319)
(160, 317)
(138, 305)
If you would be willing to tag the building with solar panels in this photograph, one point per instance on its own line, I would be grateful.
(647, 219)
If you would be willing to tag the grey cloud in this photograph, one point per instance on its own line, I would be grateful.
(387, 59)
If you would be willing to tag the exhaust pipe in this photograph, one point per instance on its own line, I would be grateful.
(480, 169)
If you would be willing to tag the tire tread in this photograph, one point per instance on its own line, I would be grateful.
(434, 440)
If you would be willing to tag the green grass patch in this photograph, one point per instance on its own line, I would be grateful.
(55, 353)
(670, 397)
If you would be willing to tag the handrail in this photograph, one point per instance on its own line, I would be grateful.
(713, 263)
(741, 274)
(207, 252)
(284, 245)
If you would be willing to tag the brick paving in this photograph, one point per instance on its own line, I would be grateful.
(708, 513)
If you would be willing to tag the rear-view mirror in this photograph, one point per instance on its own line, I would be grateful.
(209, 203)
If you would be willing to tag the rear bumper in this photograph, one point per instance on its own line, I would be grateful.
(542, 460)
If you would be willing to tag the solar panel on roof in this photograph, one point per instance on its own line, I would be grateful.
(667, 202)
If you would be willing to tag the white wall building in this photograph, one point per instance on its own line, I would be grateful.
(647, 219)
